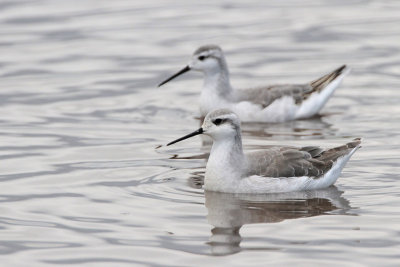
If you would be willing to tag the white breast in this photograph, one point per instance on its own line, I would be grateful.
(210, 100)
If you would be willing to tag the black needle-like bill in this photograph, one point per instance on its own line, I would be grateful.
(182, 71)
(197, 132)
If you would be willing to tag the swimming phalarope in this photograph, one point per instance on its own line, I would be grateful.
(276, 169)
(275, 103)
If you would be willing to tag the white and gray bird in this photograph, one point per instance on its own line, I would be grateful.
(274, 103)
(276, 169)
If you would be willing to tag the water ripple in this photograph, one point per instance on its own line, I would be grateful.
(83, 182)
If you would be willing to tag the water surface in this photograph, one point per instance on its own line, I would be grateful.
(83, 184)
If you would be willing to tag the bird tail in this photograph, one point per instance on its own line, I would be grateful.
(340, 151)
(322, 82)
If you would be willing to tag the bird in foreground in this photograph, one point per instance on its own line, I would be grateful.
(274, 103)
(276, 169)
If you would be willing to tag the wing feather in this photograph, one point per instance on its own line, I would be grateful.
(266, 95)
(296, 162)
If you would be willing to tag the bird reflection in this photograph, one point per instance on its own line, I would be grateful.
(313, 128)
(299, 129)
(229, 212)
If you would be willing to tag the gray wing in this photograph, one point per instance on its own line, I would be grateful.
(264, 96)
(295, 162)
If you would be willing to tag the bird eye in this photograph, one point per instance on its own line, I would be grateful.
(217, 121)
(202, 58)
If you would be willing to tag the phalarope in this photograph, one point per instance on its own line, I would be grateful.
(276, 169)
(275, 103)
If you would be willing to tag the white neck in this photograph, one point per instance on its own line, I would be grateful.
(217, 78)
(217, 81)
(217, 91)
(226, 164)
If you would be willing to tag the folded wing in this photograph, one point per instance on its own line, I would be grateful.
(309, 161)
(265, 96)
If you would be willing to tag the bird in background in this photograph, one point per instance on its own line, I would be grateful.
(272, 103)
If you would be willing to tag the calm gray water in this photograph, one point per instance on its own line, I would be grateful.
(80, 117)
